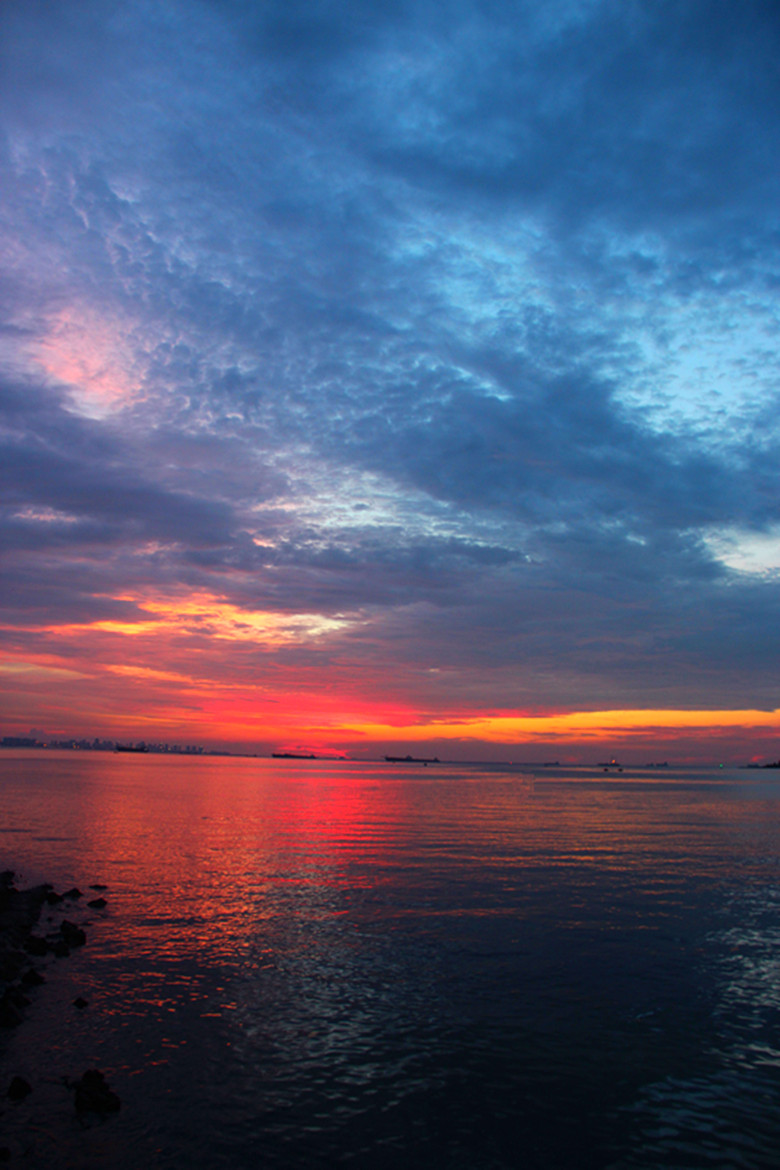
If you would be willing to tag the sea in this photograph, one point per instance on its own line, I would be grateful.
(315, 964)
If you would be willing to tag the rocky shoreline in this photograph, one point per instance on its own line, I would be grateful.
(20, 911)
(22, 949)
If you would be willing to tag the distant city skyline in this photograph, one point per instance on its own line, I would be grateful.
(379, 378)
(634, 759)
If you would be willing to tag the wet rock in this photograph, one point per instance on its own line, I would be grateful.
(98, 886)
(80, 1002)
(98, 903)
(93, 1094)
(19, 911)
(72, 935)
(18, 1089)
(53, 898)
(74, 893)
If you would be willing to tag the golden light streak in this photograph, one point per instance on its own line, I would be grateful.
(127, 629)
(35, 671)
(205, 615)
(149, 673)
(221, 619)
(575, 726)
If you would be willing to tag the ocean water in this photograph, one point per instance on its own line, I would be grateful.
(317, 964)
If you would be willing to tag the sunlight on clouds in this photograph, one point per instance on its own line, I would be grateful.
(334, 498)
(204, 615)
(755, 553)
(576, 726)
(33, 671)
(94, 357)
(128, 629)
(45, 515)
(711, 365)
(339, 502)
(147, 673)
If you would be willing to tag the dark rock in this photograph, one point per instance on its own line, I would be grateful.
(80, 1002)
(5, 1154)
(10, 1015)
(53, 898)
(98, 886)
(11, 963)
(35, 945)
(74, 893)
(19, 911)
(72, 935)
(19, 1088)
(33, 978)
(93, 1094)
(61, 949)
(98, 903)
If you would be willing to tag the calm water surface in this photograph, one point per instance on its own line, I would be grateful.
(311, 964)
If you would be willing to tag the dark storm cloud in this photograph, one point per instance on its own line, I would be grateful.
(479, 266)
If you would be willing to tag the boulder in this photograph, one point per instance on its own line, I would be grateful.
(93, 1094)
(35, 945)
(18, 1089)
(33, 978)
(72, 935)
(10, 1014)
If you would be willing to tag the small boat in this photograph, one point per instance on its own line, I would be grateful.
(412, 759)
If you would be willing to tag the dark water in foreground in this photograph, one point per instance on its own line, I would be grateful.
(308, 965)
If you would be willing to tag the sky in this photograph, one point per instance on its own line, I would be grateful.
(385, 377)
